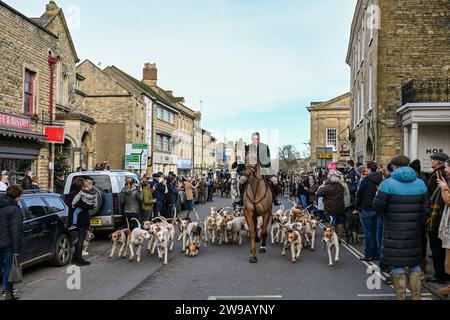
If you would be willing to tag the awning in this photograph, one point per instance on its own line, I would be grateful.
(22, 134)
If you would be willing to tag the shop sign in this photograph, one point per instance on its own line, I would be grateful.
(17, 122)
(54, 134)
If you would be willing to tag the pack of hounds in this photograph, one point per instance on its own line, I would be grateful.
(294, 228)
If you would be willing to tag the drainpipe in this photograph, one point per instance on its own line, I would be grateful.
(51, 165)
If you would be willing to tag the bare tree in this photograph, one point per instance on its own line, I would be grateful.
(289, 157)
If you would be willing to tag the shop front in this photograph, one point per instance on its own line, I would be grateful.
(184, 166)
(426, 128)
(21, 148)
(165, 162)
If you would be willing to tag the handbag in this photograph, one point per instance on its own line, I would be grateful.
(15, 276)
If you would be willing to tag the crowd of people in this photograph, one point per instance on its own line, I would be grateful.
(402, 211)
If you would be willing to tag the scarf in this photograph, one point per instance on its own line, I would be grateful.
(444, 228)
(436, 205)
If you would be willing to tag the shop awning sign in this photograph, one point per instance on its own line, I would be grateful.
(13, 121)
(55, 134)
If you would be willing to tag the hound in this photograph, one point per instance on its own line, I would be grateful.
(183, 224)
(89, 237)
(195, 239)
(122, 237)
(295, 241)
(275, 228)
(138, 235)
(289, 228)
(236, 227)
(330, 240)
(210, 228)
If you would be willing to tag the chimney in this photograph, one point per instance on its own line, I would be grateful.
(150, 74)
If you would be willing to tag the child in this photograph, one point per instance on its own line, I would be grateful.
(86, 199)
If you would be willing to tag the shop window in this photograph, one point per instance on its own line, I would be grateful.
(28, 92)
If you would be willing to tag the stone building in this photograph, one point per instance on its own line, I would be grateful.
(120, 115)
(38, 84)
(330, 122)
(209, 150)
(399, 56)
(173, 128)
(204, 147)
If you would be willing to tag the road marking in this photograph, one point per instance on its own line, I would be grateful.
(29, 284)
(425, 296)
(244, 297)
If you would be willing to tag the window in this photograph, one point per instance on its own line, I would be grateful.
(332, 138)
(363, 41)
(159, 113)
(100, 181)
(171, 118)
(363, 107)
(28, 92)
(158, 142)
(55, 204)
(370, 86)
(166, 116)
(36, 206)
(166, 143)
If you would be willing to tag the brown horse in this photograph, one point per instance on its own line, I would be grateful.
(257, 202)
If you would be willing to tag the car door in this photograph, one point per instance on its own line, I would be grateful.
(27, 252)
(42, 224)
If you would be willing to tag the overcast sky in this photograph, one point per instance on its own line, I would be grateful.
(255, 64)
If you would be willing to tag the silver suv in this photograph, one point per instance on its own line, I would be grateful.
(109, 214)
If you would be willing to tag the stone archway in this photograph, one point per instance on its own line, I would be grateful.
(369, 150)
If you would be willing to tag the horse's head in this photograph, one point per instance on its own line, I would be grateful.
(253, 170)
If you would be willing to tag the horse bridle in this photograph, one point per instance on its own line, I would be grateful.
(253, 170)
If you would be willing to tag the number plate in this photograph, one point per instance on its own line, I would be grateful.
(96, 222)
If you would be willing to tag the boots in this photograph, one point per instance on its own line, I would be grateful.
(415, 281)
(399, 285)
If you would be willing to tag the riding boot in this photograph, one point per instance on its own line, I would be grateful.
(415, 281)
(275, 200)
(399, 285)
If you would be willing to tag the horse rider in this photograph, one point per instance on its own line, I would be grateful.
(261, 152)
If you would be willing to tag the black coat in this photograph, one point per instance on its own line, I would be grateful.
(11, 225)
(367, 190)
(404, 204)
(27, 183)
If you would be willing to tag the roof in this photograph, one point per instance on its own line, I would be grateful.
(141, 85)
(326, 104)
(33, 21)
(48, 16)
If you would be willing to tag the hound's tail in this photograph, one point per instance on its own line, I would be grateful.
(137, 221)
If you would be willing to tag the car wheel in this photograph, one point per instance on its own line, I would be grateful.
(62, 251)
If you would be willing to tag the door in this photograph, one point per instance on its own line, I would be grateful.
(27, 252)
(42, 226)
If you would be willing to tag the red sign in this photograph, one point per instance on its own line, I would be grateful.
(54, 134)
(17, 122)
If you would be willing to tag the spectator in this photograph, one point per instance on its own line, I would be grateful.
(333, 199)
(444, 228)
(437, 208)
(403, 202)
(60, 183)
(201, 191)
(131, 198)
(27, 182)
(4, 182)
(169, 201)
(352, 179)
(11, 235)
(189, 189)
(371, 222)
(210, 188)
(147, 199)
(159, 195)
(312, 189)
(419, 174)
(86, 199)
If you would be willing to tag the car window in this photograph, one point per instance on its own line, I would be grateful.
(36, 207)
(55, 204)
(24, 213)
(101, 181)
(121, 180)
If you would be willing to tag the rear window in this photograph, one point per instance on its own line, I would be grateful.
(121, 180)
(100, 181)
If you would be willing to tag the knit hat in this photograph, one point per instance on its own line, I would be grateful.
(332, 166)
(416, 165)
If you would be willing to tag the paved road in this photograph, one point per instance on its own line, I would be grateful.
(219, 272)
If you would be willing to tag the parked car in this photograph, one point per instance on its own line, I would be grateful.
(47, 237)
(109, 215)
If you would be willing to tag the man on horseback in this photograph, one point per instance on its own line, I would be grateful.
(261, 152)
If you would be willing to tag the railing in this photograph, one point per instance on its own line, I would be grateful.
(434, 90)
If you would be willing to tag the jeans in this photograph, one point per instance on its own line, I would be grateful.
(337, 219)
(6, 260)
(78, 253)
(302, 200)
(379, 236)
(189, 205)
(75, 216)
(402, 270)
(369, 222)
(157, 207)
